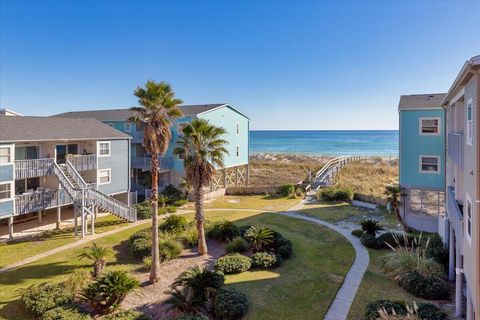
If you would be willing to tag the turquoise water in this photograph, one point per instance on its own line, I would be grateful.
(362, 142)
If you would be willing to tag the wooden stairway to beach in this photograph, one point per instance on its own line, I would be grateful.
(324, 176)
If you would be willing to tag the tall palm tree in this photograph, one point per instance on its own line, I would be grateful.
(393, 193)
(157, 111)
(202, 147)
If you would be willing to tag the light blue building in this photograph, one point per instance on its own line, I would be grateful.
(422, 160)
(223, 115)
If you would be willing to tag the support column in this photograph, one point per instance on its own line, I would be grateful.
(458, 281)
(59, 217)
(75, 220)
(95, 210)
(224, 177)
(83, 222)
(469, 315)
(10, 228)
(92, 222)
(247, 178)
(236, 176)
(451, 252)
(40, 217)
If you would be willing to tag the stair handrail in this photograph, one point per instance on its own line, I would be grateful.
(76, 175)
(65, 182)
(95, 195)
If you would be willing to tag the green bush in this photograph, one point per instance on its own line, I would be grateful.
(40, 299)
(126, 315)
(171, 209)
(371, 226)
(332, 194)
(237, 244)
(144, 234)
(174, 223)
(437, 250)
(147, 263)
(144, 210)
(427, 287)
(65, 313)
(286, 190)
(388, 239)
(189, 236)
(265, 260)
(173, 194)
(142, 247)
(169, 248)
(281, 245)
(357, 233)
(222, 230)
(372, 308)
(428, 311)
(233, 263)
(259, 238)
(370, 241)
(77, 280)
(191, 317)
(230, 305)
(180, 203)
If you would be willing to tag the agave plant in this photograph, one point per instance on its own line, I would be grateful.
(371, 226)
(259, 237)
(203, 283)
(98, 255)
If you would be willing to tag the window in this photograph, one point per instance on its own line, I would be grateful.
(5, 192)
(104, 176)
(469, 124)
(468, 216)
(238, 129)
(5, 155)
(127, 127)
(430, 126)
(238, 151)
(429, 164)
(104, 149)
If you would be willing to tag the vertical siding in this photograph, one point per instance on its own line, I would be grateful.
(119, 163)
(7, 174)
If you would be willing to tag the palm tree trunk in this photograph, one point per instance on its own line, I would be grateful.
(155, 268)
(399, 218)
(200, 219)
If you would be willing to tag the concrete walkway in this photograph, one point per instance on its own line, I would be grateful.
(343, 300)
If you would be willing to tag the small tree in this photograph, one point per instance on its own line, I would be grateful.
(259, 237)
(97, 254)
(393, 193)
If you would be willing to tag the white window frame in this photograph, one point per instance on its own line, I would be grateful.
(109, 176)
(11, 154)
(238, 129)
(12, 191)
(127, 127)
(109, 149)
(469, 123)
(237, 150)
(420, 126)
(429, 156)
(468, 235)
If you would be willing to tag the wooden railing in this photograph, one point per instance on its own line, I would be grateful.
(83, 162)
(33, 168)
(31, 202)
(330, 169)
(145, 162)
(455, 148)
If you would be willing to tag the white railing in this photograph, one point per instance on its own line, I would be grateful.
(111, 204)
(83, 162)
(454, 214)
(33, 168)
(145, 162)
(75, 175)
(31, 202)
(137, 136)
(65, 182)
(455, 147)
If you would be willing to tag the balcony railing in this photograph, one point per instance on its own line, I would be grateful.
(454, 213)
(33, 168)
(144, 163)
(455, 148)
(83, 162)
(41, 200)
(137, 136)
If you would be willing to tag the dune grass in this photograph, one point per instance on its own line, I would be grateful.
(257, 202)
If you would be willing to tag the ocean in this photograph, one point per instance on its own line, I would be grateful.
(326, 142)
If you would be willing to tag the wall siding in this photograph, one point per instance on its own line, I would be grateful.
(6, 172)
(118, 162)
(6, 208)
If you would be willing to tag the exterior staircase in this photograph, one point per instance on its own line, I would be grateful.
(324, 176)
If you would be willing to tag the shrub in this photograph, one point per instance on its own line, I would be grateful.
(77, 280)
(332, 194)
(437, 250)
(189, 236)
(259, 237)
(40, 299)
(237, 244)
(428, 311)
(222, 230)
(108, 291)
(425, 286)
(126, 315)
(144, 210)
(171, 209)
(233, 263)
(191, 317)
(372, 308)
(180, 203)
(182, 300)
(144, 234)
(174, 223)
(286, 190)
(147, 263)
(370, 241)
(281, 245)
(142, 247)
(201, 283)
(173, 194)
(371, 226)
(169, 248)
(230, 305)
(390, 239)
(265, 260)
(65, 313)
(357, 233)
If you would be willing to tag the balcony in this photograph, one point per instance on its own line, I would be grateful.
(455, 147)
(137, 136)
(454, 213)
(33, 168)
(144, 163)
(83, 162)
(40, 200)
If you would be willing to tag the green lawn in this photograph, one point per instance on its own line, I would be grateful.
(259, 202)
(12, 252)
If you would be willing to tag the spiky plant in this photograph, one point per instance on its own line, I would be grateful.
(98, 255)
(203, 148)
(371, 226)
(157, 111)
(203, 282)
(259, 237)
(184, 300)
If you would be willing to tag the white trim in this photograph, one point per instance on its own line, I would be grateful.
(467, 201)
(420, 126)
(109, 149)
(428, 156)
(458, 96)
(469, 130)
(223, 105)
(12, 154)
(109, 177)
(12, 192)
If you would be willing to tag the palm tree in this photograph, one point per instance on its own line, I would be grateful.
(97, 254)
(158, 109)
(203, 149)
(393, 193)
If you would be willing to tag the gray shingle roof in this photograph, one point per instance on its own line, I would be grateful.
(421, 101)
(123, 114)
(48, 128)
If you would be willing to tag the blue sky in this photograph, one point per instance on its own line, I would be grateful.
(288, 65)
